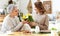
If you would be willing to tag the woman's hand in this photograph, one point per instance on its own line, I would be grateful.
(33, 23)
(24, 22)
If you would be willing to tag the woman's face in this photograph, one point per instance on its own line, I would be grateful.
(37, 10)
(15, 12)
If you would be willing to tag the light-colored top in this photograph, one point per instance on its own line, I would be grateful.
(11, 24)
(42, 21)
(57, 24)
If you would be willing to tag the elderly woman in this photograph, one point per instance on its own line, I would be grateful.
(41, 18)
(11, 21)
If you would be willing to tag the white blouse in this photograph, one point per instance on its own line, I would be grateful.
(10, 24)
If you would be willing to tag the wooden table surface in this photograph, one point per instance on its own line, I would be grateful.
(27, 34)
(24, 34)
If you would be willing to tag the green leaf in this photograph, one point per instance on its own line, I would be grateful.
(53, 29)
(30, 19)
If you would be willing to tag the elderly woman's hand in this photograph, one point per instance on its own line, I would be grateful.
(24, 22)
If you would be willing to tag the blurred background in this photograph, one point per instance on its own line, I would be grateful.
(52, 7)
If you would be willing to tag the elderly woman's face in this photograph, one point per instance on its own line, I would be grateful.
(15, 12)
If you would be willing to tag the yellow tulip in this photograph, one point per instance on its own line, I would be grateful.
(28, 14)
(24, 17)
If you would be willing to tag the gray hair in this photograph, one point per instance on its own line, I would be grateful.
(10, 8)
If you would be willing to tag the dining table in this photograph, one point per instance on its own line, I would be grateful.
(25, 34)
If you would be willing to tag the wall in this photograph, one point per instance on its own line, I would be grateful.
(23, 5)
(3, 3)
(55, 5)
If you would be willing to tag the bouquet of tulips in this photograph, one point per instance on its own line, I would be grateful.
(28, 17)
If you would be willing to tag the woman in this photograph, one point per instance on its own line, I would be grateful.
(57, 21)
(11, 21)
(41, 18)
